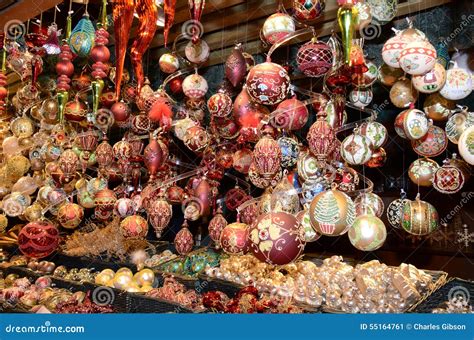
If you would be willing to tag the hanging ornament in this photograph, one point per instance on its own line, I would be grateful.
(376, 132)
(104, 201)
(197, 52)
(368, 233)
(196, 138)
(402, 93)
(309, 168)
(411, 124)
(124, 207)
(220, 104)
(357, 62)
(236, 66)
(431, 81)
(242, 159)
(347, 19)
(261, 181)
(458, 83)
(432, 144)
(159, 213)
(310, 235)
(289, 151)
(169, 63)
(315, 58)
(195, 86)
(290, 114)
(368, 77)
(422, 170)
(216, 226)
(364, 16)
(356, 149)
(369, 202)
(466, 145)
(268, 83)
(276, 238)
(52, 43)
(457, 124)
(267, 157)
(248, 115)
(394, 211)
(233, 239)
(169, 7)
(437, 107)
(389, 75)
(277, 27)
(81, 39)
(361, 97)
(134, 227)
(418, 57)
(332, 213)
(449, 178)
(38, 239)
(75, 110)
(70, 215)
(153, 157)
(305, 10)
(383, 11)
(321, 138)
(419, 217)
(285, 197)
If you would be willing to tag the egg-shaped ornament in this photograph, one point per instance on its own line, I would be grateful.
(368, 233)
(361, 97)
(234, 238)
(321, 138)
(419, 218)
(82, 37)
(134, 227)
(169, 63)
(159, 214)
(421, 171)
(389, 75)
(290, 150)
(285, 197)
(276, 238)
(391, 50)
(314, 58)
(449, 178)
(236, 66)
(432, 144)
(371, 201)
(457, 124)
(220, 104)
(268, 83)
(458, 85)
(195, 86)
(197, 52)
(277, 26)
(216, 226)
(411, 124)
(418, 57)
(306, 10)
(403, 93)
(383, 11)
(431, 81)
(332, 213)
(356, 149)
(38, 239)
(124, 207)
(184, 241)
(376, 132)
(437, 107)
(70, 215)
(466, 145)
(394, 212)
(267, 156)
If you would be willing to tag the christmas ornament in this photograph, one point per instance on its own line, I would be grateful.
(448, 179)
(134, 227)
(418, 57)
(411, 124)
(124, 207)
(466, 145)
(75, 110)
(195, 86)
(236, 66)
(169, 7)
(332, 213)
(394, 212)
(457, 124)
(371, 201)
(169, 63)
(248, 115)
(419, 217)
(308, 9)
(458, 83)
(70, 215)
(383, 11)
(310, 235)
(220, 104)
(277, 27)
(104, 201)
(38, 239)
(121, 112)
(389, 75)
(368, 233)
(159, 213)
(432, 144)
(285, 197)
(268, 83)
(197, 52)
(361, 97)
(437, 107)
(422, 170)
(233, 239)
(216, 226)
(196, 138)
(376, 132)
(289, 151)
(347, 19)
(402, 93)
(290, 114)
(184, 241)
(314, 58)
(242, 159)
(153, 156)
(267, 157)
(276, 238)
(366, 78)
(431, 81)
(356, 149)
(81, 39)
(321, 138)
(332, 116)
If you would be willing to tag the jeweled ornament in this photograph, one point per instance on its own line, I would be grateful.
(466, 145)
(290, 114)
(394, 212)
(134, 227)
(368, 233)
(308, 9)
(458, 84)
(234, 238)
(310, 235)
(332, 213)
(431, 81)
(370, 200)
(220, 104)
(70, 215)
(159, 214)
(418, 57)
(268, 83)
(356, 149)
(195, 86)
(184, 241)
(376, 132)
(403, 93)
(411, 124)
(448, 179)
(196, 138)
(419, 217)
(457, 124)
(361, 97)
(267, 156)
(437, 107)
(422, 170)
(432, 144)
(38, 239)
(289, 151)
(314, 58)
(216, 226)
(383, 11)
(276, 238)
(321, 138)
(169, 63)
(277, 26)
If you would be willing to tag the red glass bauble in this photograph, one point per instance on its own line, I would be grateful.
(196, 138)
(107, 99)
(184, 241)
(216, 226)
(226, 127)
(233, 238)
(121, 112)
(75, 110)
(291, 114)
(175, 194)
(203, 195)
(235, 197)
(321, 138)
(81, 82)
(153, 157)
(276, 238)
(220, 104)
(248, 114)
(337, 80)
(314, 58)
(65, 67)
(134, 227)
(320, 102)
(159, 214)
(242, 159)
(378, 158)
(308, 9)
(176, 85)
(267, 157)
(235, 67)
(38, 239)
(100, 53)
(268, 83)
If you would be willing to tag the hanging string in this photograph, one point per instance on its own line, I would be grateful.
(85, 11)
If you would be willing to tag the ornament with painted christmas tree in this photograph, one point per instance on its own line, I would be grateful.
(368, 233)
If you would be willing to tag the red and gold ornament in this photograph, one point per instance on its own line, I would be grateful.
(290, 114)
(267, 157)
(314, 58)
(159, 213)
(184, 241)
(38, 239)
(134, 227)
(234, 238)
(432, 144)
(70, 215)
(268, 83)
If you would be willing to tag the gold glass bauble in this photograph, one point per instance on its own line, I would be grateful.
(368, 233)
(125, 270)
(33, 212)
(437, 107)
(419, 217)
(389, 75)
(22, 127)
(422, 170)
(265, 202)
(144, 277)
(402, 93)
(122, 280)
